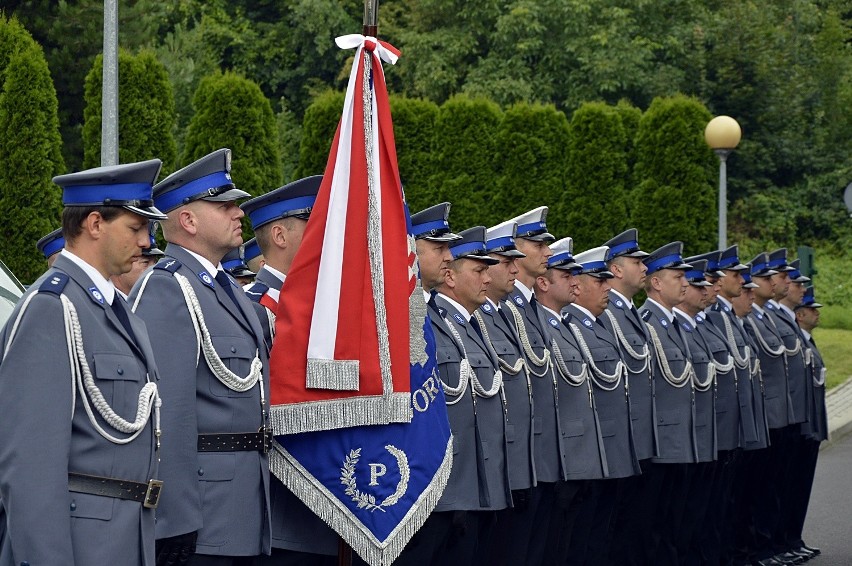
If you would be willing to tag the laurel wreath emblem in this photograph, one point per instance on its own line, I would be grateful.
(366, 500)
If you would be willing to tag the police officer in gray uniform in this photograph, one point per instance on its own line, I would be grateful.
(469, 371)
(278, 219)
(816, 429)
(515, 524)
(771, 464)
(432, 235)
(635, 512)
(532, 240)
(607, 373)
(666, 285)
(50, 245)
(710, 359)
(78, 472)
(212, 358)
(585, 462)
(735, 406)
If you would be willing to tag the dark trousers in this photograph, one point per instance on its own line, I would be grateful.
(513, 528)
(283, 557)
(631, 539)
(717, 544)
(589, 535)
(209, 560)
(566, 512)
(746, 500)
(799, 494)
(423, 548)
(772, 491)
(666, 532)
(695, 517)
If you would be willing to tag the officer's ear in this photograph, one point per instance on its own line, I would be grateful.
(656, 284)
(188, 220)
(278, 236)
(542, 283)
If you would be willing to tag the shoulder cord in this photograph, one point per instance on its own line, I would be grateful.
(504, 365)
(544, 360)
(81, 379)
(818, 377)
(228, 378)
(711, 377)
(763, 345)
(721, 368)
(610, 381)
(478, 389)
(741, 362)
(568, 377)
(675, 381)
(644, 355)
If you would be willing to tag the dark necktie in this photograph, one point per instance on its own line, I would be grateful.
(223, 281)
(120, 313)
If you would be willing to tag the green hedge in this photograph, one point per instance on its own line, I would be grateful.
(30, 150)
(146, 112)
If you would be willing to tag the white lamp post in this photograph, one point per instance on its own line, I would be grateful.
(723, 133)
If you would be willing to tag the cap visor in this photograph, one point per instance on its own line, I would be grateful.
(229, 195)
(737, 267)
(601, 274)
(637, 253)
(543, 237)
(815, 305)
(569, 266)
(242, 273)
(700, 283)
(681, 265)
(484, 258)
(148, 212)
(801, 279)
(511, 253)
(446, 237)
(152, 252)
(751, 286)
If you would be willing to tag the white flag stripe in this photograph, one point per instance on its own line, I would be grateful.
(323, 334)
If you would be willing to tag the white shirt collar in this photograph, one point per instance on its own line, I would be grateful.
(280, 276)
(628, 302)
(493, 304)
(426, 295)
(551, 311)
(525, 291)
(702, 315)
(725, 302)
(105, 286)
(774, 303)
(666, 311)
(585, 311)
(787, 310)
(758, 308)
(806, 333)
(205, 263)
(458, 307)
(685, 315)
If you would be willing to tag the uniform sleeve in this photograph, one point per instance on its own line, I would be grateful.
(35, 419)
(161, 305)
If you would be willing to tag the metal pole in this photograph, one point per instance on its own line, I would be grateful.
(371, 18)
(109, 96)
(723, 197)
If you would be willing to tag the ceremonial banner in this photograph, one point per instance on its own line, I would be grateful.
(359, 416)
(342, 349)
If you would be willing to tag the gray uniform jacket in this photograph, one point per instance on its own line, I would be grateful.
(479, 480)
(761, 328)
(798, 379)
(817, 426)
(675, 405)
(223, 495)
(705, 390)
(761, 420)
(586, 457)
(294, 526)
(735, 392)
(47, 432)
(547, 438)
(727, 406)
(643, 410)
(611, 401)
(519, 403)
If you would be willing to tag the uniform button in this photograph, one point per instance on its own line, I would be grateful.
(233, 350)
(73, 506)
(120, 371)
(200, 471)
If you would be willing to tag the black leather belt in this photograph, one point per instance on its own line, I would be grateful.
(148, 494)
(260, 441)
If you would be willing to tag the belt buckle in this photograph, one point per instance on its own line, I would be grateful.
(152, 494)
(266, 432)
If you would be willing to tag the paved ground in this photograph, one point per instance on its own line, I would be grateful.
(829, 522)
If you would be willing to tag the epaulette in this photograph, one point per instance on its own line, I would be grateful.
(169, 264)
(646, 315)
(257, 291)
(54, 284)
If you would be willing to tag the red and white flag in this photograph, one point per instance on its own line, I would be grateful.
(341, 355)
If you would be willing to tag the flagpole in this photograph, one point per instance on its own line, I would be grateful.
(371, 18)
